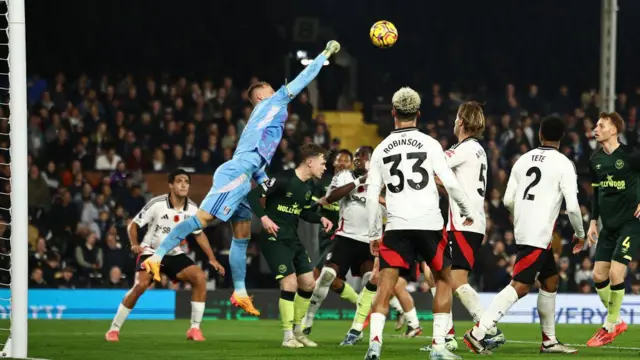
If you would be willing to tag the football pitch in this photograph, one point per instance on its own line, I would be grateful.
(152, 339)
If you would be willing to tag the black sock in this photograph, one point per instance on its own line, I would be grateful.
(602, 285)
(287, 295)
(305, 294)
(371, 287)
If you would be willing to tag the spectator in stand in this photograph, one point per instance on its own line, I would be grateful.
(108, 160)
(114, 255)
(39, 195)
(68, 279)
(115, 279)
(89, 256)
(37, 279)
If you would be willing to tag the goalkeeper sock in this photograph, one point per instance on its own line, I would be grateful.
(547, 313)
(615, 303)
(348, 293)
(395, 304)
(120, 317)
(364, 306)
(287, 309)
(175, 236)
(197, 311)
(301, 302)
(319, 294)
(604, 292)
(238, 263)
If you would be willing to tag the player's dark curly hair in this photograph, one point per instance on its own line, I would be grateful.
(552, 128)
(175, 173)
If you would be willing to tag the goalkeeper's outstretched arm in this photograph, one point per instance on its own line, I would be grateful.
(311, 71)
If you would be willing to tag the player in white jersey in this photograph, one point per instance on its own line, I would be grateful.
(160, 215)
(539, 181)
(468, 161)
(406, 163)
(351, 249)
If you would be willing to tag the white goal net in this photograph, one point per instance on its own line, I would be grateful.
(13, 181)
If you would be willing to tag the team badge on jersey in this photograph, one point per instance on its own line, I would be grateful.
(307, 196)
(619, 164)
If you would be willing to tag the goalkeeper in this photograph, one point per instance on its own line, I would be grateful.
(232, 181)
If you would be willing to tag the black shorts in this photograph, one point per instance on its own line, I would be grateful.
(171, 265)
(400, 249)
(464, 247)
(349, 254)
(533, 263)
(413, 274)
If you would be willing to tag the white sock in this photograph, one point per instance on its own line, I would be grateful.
(323, 284)
(395, 304)
(547, 313)
(440, 327)
(498, 308)
(450, 321)
(376, 326)
(412, 318)
(471, 301)
(197, 311)
(120, 317)
(288, 334)
(451, 333)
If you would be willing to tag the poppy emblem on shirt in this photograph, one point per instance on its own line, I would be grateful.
(176, 218)
(360, 189)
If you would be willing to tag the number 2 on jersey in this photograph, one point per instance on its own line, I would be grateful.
(395, 161)
(535, 171)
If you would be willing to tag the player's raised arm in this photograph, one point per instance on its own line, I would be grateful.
(311, 71)
(449, 181)
(569, 188)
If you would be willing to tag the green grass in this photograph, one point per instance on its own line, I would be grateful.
(70, 340)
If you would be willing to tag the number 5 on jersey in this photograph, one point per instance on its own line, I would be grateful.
(418, 158)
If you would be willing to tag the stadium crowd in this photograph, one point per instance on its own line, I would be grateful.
(124, 127)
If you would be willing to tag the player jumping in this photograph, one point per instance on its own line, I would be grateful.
(343, 161)
(287, 198)
(232, 180)
(615, 169)
(539, 180)
(405, 162)
(160, 215)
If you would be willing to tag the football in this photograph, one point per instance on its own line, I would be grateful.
(383, 34)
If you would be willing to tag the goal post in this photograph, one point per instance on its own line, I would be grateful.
(18, 118)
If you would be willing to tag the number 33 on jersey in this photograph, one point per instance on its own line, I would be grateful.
(405, 163)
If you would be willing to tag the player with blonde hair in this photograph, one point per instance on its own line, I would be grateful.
(406, 163)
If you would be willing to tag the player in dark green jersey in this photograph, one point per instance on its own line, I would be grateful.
(616, 188)
(287, 197)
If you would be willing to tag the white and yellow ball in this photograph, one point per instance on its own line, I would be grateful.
(383, 34)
